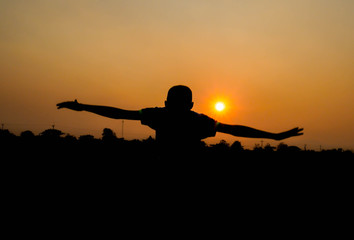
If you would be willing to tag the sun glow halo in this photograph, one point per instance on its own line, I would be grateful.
(219, 106)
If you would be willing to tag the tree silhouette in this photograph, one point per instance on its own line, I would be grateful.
(27, 135)
(237, 147)
(108, 136)
(221, 146)
(87, 139)
(51, 144)
(70, 139)
(257, 147)
(51, 134)
(5, 134)
(269, 148)
(282, 147)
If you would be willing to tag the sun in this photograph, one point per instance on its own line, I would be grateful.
(219, 106)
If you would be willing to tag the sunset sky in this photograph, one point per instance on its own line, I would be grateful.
(275, 64)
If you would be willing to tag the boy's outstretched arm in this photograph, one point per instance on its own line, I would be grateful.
(110, 112)
(243, 131)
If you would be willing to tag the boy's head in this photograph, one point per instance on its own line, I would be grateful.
(179, 98)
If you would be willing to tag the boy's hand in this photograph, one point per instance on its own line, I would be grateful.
(291, 133)
(73, 105)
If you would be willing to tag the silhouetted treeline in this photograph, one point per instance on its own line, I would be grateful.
(54, 144)
(57, 164)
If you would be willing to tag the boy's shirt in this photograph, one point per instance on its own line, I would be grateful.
(188, 127)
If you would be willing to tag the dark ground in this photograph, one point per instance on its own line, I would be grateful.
(57, 183)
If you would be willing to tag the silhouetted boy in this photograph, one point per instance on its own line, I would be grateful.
(176, 125)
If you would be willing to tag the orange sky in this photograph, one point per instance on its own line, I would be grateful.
(277, 64)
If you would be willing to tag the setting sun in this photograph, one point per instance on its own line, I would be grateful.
(219, 106)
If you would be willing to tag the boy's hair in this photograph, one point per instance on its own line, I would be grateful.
(179, 97)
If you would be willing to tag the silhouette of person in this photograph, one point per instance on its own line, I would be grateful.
(176, 124)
